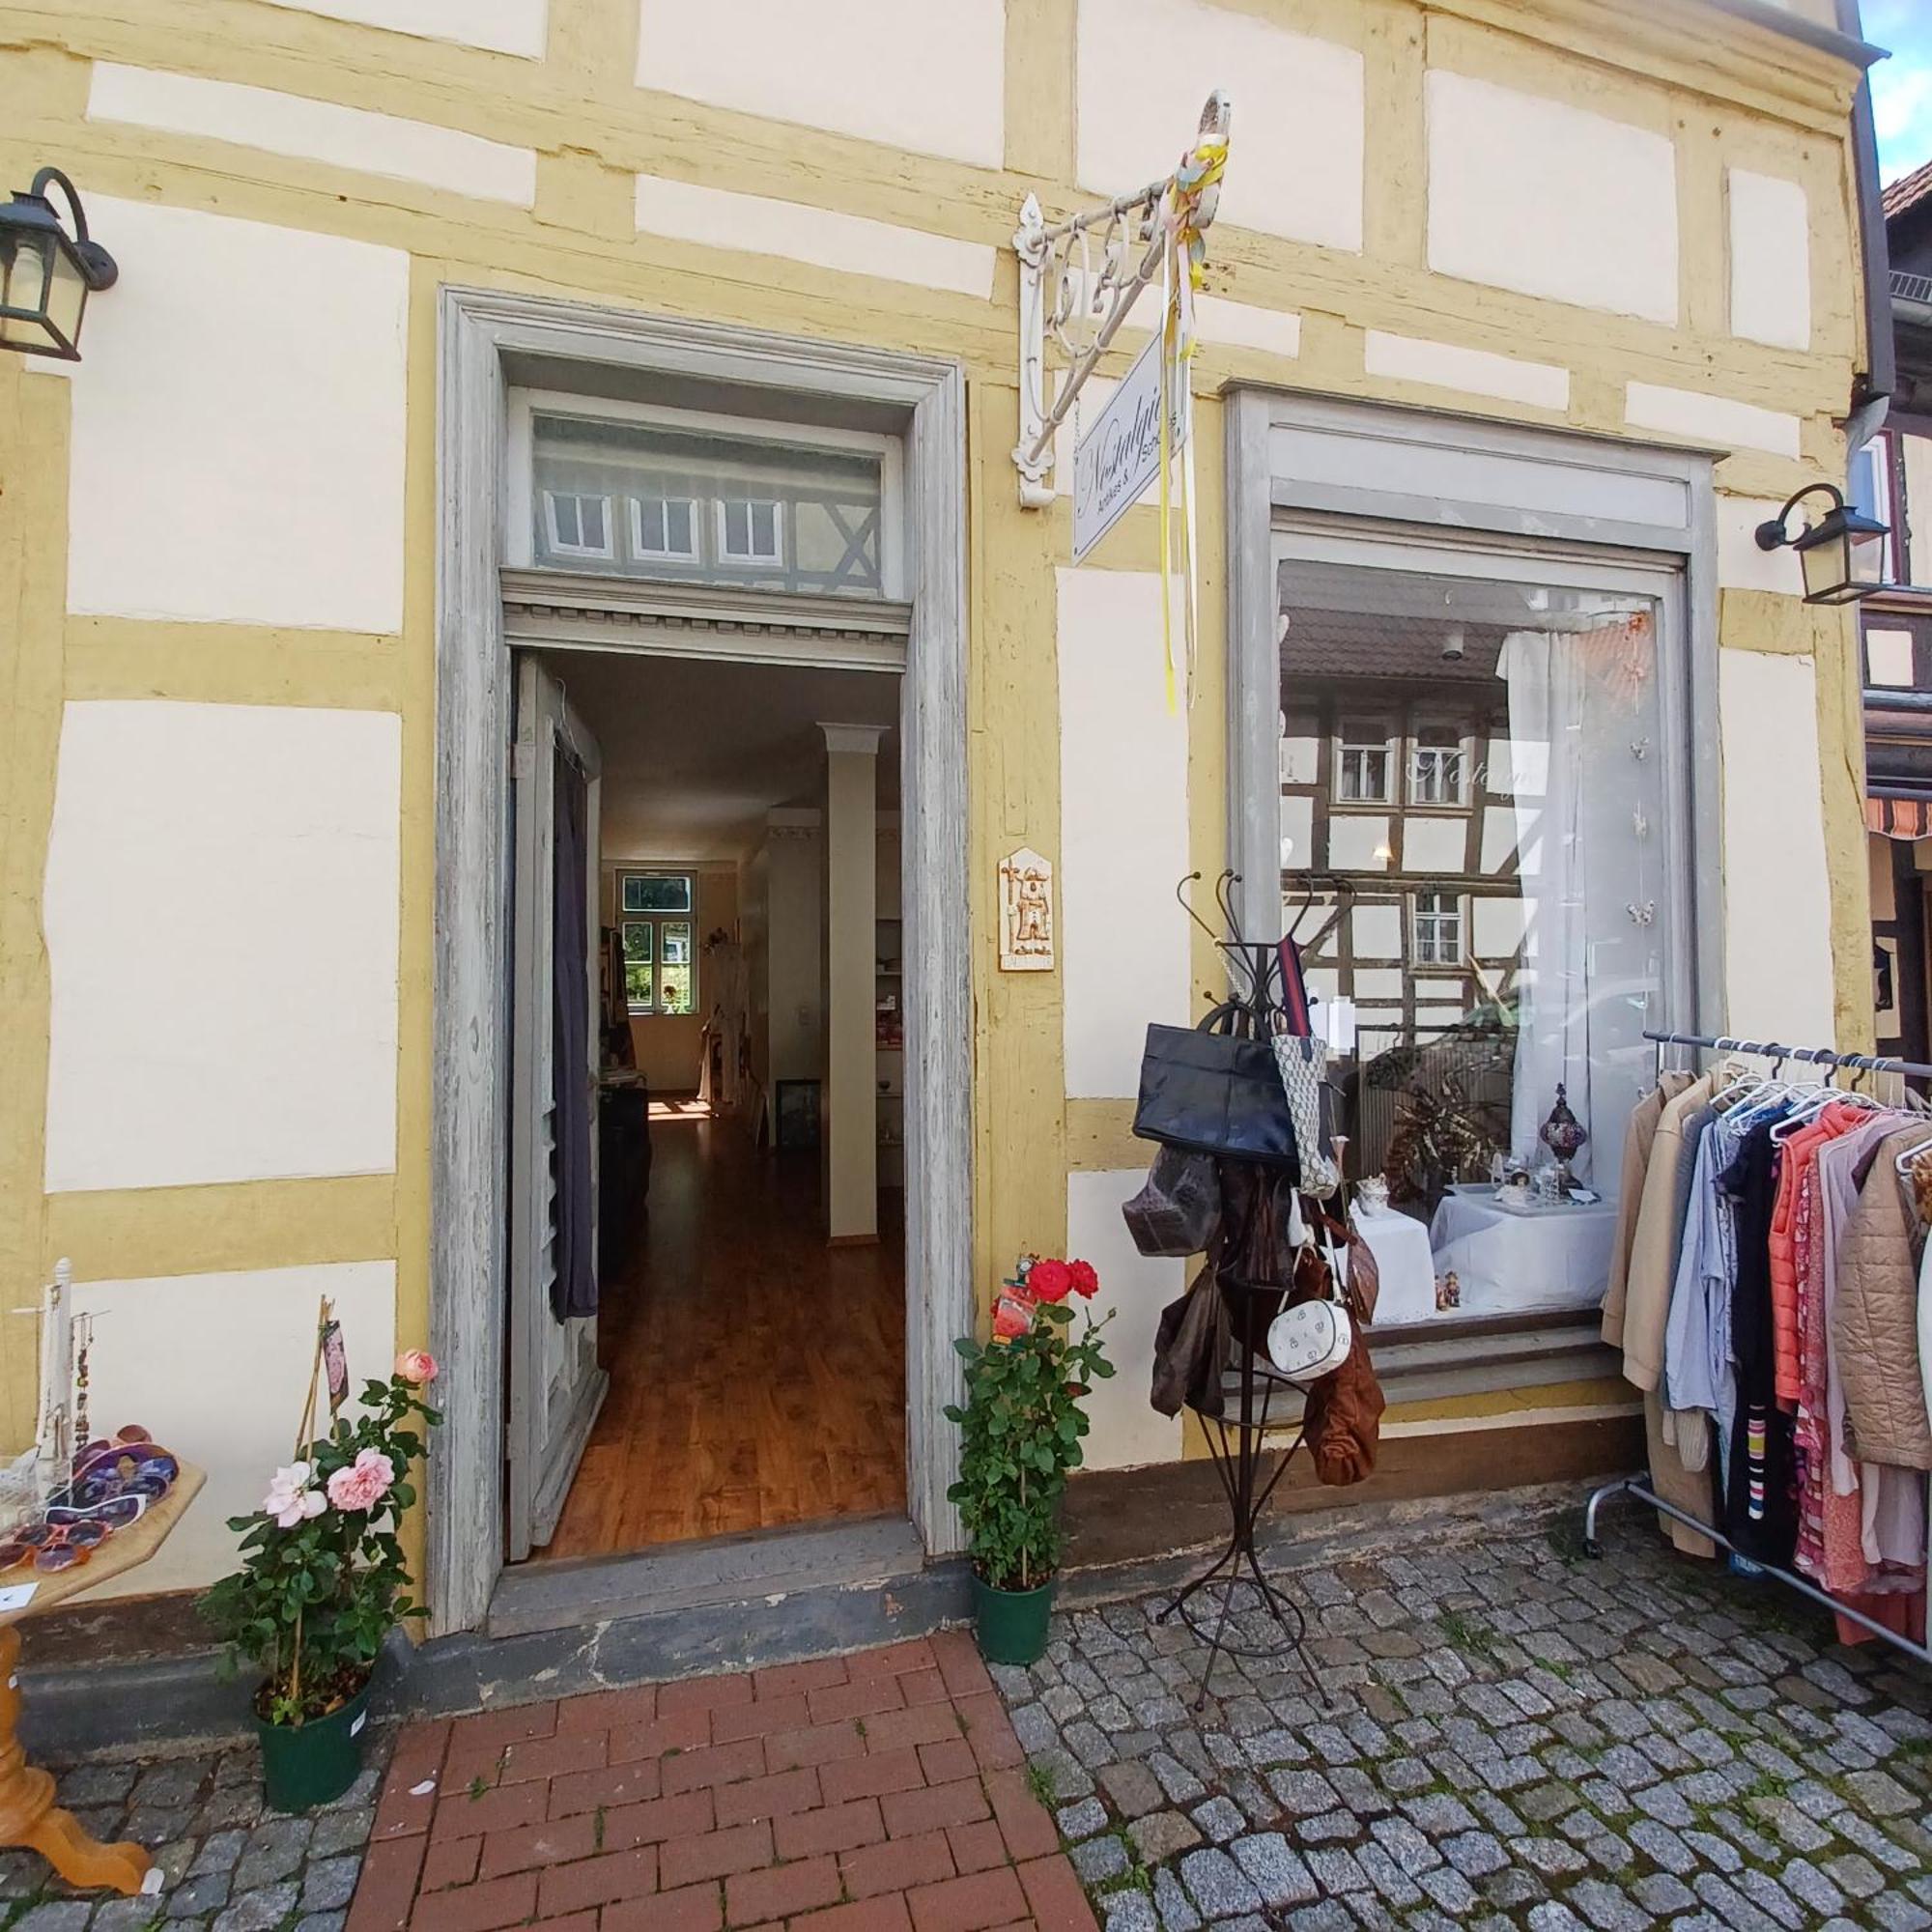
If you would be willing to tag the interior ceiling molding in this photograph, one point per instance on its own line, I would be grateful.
(572, 611)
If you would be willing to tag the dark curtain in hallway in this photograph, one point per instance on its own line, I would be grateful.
(574, 1287)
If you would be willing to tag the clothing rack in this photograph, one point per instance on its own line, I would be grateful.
(1640, 1490)
(1821, 1056)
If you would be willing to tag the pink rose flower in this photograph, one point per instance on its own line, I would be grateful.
(365, 1483)
(290, 1499)
(416, 1366)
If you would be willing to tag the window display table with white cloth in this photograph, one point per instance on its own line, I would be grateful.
(1405, 1264)
(1507, 1258)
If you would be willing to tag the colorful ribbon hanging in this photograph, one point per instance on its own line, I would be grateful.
(1184, 261)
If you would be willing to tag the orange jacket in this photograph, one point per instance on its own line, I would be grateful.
(1797, 1154)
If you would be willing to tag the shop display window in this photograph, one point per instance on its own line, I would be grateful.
(1473, 787)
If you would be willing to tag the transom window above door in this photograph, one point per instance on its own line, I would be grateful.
(684, 497)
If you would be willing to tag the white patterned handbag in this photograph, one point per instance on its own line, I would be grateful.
(1309, 1339)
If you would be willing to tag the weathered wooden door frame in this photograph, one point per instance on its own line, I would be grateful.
(480, 330)
(542, 1448)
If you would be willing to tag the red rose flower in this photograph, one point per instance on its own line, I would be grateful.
(1085, 1282)
(1050, 1281)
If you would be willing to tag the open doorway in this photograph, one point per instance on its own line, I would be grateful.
(707, 1329)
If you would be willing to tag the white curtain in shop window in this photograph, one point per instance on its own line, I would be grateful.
(1552, 1042)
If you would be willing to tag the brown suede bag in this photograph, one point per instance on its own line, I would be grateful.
(1341, 1422)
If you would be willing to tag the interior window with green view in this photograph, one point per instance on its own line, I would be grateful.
(654, 912)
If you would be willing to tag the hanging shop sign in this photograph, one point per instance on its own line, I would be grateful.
(1120, 456)
(1078, 282)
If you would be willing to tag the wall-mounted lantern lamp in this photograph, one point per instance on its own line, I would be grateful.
(1842, 553)
(47, 275)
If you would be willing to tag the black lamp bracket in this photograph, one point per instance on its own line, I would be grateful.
(98, 266)
(1774, 536)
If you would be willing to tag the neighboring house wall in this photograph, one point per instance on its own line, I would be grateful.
(227, 516)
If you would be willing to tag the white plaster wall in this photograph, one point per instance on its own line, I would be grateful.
(220, 913)
(1719, 421)
(1124, 1429)
(1535, 195)
(1243, 325)
(1741, 564)
(315, 130)
(506, 26)
(926, 78)
(1446, 365)
(1147, 67)
(212, 1366)
(1771, 259)
(1777, 889)
(723, 218)
(238, 437)
(1122, 828)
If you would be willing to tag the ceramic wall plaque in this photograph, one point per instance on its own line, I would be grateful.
(1026, 913)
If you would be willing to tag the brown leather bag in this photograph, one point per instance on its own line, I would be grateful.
(1190, 1350)
(1341, 1420)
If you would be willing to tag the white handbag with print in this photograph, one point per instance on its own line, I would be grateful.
(1309, 1339)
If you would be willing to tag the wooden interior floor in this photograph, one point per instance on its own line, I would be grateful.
(758, 1376)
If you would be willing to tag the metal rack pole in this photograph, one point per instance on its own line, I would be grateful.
(1631, 1485)
(1770, 1049)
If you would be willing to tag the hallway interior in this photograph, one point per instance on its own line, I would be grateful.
(757, 1376)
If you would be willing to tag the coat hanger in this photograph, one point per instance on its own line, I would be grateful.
(1180, 895)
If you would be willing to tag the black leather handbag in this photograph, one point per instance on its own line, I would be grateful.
(1215, 1089)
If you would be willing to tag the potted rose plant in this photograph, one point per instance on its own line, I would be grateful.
(321, 1583)
(1020, 1430)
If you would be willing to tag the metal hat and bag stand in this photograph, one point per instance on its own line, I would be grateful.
(1246, 1174)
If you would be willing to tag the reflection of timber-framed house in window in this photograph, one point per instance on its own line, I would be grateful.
(1399, 833)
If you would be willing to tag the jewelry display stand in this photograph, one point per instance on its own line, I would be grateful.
(28, 1814)
(1238, 1448)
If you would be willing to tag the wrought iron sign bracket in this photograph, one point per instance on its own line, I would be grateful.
(1078, 281)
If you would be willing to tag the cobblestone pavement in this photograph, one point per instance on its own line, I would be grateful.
(225, 1862)
(1519, 1736)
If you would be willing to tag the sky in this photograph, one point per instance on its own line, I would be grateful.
(1901, 86)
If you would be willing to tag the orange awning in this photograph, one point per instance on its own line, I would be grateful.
(1899, 817)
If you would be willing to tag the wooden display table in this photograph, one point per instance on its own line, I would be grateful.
(28, 1814)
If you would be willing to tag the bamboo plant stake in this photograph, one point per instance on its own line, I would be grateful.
(305, 1430)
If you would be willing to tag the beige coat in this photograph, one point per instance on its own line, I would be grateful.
(1875, 1320)
(1633, 1302)
(1657, 1237)
(1638, 1137)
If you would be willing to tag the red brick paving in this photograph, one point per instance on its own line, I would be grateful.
(874, 1792)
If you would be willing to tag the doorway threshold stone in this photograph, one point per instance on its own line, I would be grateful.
(738, 1603)
(576, 1591)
